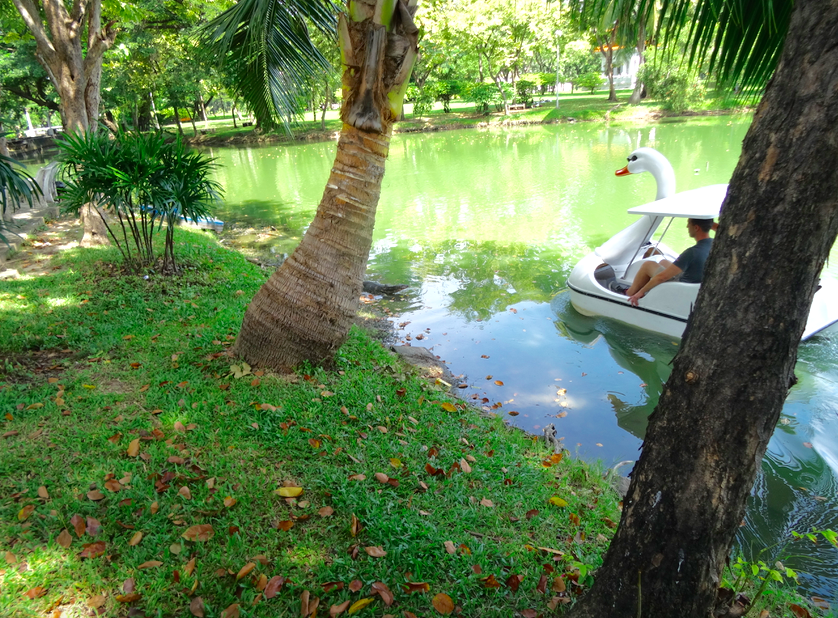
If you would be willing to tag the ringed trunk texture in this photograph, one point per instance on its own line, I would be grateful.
(708, 434)
(305, 310)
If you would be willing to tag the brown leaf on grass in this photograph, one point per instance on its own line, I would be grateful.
(24, 513)
(275, 584)
(231, 612)
(179, 427)
(128, 598)
(490, 582)
(190, 566)
(196, 607)
(96, 601)
(381, 477)
(175, 548)
(450, 547)
(434, 471)
(326, 511)
(821, 603)
(245, 570)
(185, 492)
(531, 513)
(355, 526)
(464, 466)
(800, 612)
(64, 539)
(558, 584)
(314, 442)
(285, 525)
(36, 592)
(150, 564)
(229, 501)
(92, 550)
(443, 604)
(304, 602)
(355, 585)
(178, 461)
(529, 613)
(95, 495)
(43, 493)
(112, 485)
(542, 584)
(199, 533)
(94, 526)
(464, 549)
(358, 477)
(360, 604)
(384, 592)
(154, 507)
(337, 610)
(78, 524)
(487, 503)
(376, 551)
(514, 581)
(329, 586)
(411, 587)
(138, 536)
(261, 582)
(134, 448)
(476, 569)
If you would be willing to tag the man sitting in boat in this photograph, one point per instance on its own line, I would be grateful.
(688, 267)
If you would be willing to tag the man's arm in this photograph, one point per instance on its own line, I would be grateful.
(662, 277)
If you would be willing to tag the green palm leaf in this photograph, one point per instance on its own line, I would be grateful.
(266, 45)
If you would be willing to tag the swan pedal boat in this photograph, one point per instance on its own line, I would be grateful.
(665, 308)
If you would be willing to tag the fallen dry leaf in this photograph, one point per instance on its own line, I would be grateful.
(138, 536)
(289, 492)
(92, 550)
(443, 604)
(411, 587)
(134, 448)
(285, 525)
(337, 610)
(154, 507)
(384, 592)
(36, 592)
(360, 604)
(229, 501)
(558, 585)
(185, 492)
(355, 585)
(355, 526)
(231, 612)
(43, 493)
(97, 601)
(78, 524)
(450, 547)
(274, 585)
(150, 564)
(128, 598)
(375, 551)
(245, 570)
(64, 539)
(199, 533)
(196, 607)
(326, 511)
(190, 566)
(93, 527)
(487, 503)
(381, 477)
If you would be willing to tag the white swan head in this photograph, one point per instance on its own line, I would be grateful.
(650, 160)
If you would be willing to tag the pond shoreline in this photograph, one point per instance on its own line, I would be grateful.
(491, 121)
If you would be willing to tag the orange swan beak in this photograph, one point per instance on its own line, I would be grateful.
(623, 172)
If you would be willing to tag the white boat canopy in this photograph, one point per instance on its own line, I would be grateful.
(703, 203)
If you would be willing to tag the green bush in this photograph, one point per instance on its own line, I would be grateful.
(482, 95)
(591, 81)
(142, 181)
(422, 99)
(524, 89)
(675, 86)
(444, 90)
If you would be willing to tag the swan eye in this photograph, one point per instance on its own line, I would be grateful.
(632, 158)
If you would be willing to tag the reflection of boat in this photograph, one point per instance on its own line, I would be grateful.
(665, 308)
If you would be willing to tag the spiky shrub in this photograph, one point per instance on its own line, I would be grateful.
(135, 182)
(15, 187)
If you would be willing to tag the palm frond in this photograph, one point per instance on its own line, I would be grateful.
(739, 40)
(266, 45)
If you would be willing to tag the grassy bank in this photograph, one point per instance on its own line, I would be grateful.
(580, 106)
(145, 472)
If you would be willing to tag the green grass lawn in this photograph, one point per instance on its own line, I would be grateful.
(143, 471)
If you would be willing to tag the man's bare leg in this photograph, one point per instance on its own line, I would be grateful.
(645, 274)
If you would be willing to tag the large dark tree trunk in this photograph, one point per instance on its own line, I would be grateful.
(709, 432)
(304, 311)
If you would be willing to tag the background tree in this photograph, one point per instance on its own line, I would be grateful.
(718, 409)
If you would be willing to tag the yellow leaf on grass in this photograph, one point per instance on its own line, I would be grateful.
(289, 492)
(360, 604)
(395, 462)
(449, 407)
(557, 501)
(229, 501)
(24, 513)
(134, 448)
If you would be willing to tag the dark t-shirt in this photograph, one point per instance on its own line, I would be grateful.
(691, 262)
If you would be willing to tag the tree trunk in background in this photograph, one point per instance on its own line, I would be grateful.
(154, 111)
(709, 432)
(304, 311)
(4, 147)
(327, 101)
(634, 99)
(74, 69)
(95, 231)
(177, 120)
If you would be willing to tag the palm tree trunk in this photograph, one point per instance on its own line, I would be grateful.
(634, 99)
(719, 407)
(305, 309)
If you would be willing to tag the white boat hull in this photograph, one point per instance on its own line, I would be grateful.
(666, 308)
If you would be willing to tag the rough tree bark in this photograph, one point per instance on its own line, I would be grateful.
(709, 432)
(73, 64)
(304, 311)
(607, 50)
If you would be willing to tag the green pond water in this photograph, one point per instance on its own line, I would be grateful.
(485, 226)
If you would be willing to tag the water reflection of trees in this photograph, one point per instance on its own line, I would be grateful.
(489, 277)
